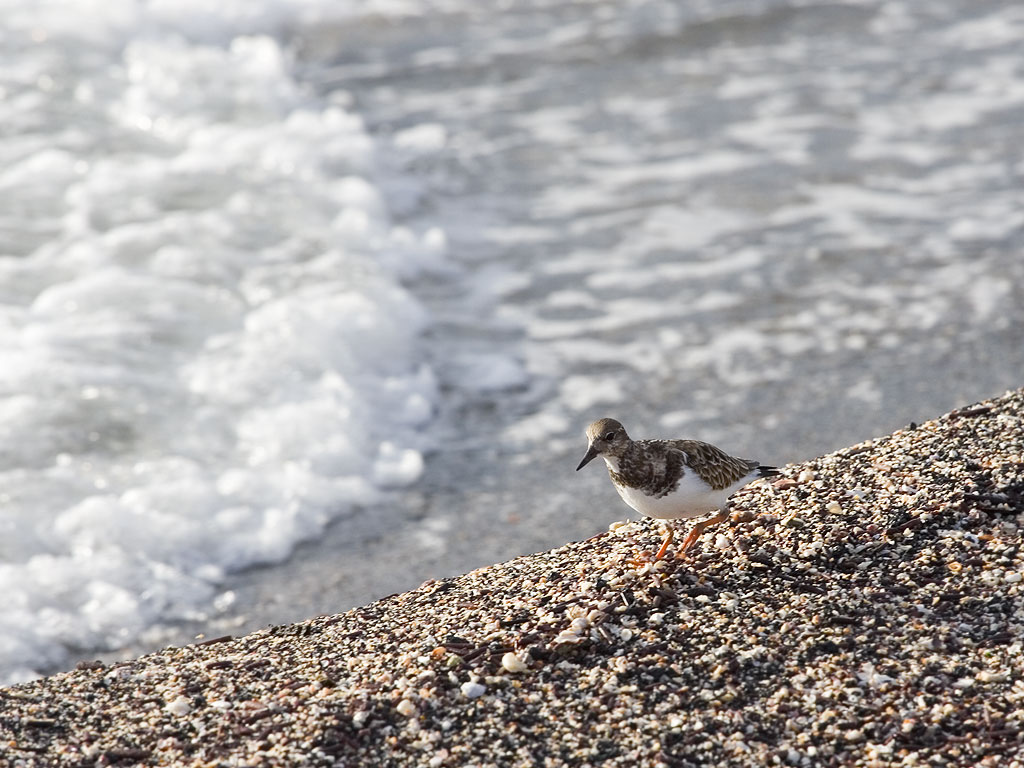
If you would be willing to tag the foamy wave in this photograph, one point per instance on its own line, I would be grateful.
(208, 352)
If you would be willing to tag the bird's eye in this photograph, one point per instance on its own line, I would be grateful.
(610, 436)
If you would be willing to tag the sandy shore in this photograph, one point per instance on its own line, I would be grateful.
(866, 609)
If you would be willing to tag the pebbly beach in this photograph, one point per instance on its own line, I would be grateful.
(865, 608)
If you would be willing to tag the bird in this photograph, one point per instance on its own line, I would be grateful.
(670, 479)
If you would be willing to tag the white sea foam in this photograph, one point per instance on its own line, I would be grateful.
(207, 350)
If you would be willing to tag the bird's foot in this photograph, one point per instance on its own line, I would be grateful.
(698, 529)
(642, 558)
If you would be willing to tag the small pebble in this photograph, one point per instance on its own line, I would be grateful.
(512, 663)
(179, 706)
(406, 707)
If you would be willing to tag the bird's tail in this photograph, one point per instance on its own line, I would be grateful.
(763, 471)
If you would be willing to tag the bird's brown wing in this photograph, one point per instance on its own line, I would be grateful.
(714, 466)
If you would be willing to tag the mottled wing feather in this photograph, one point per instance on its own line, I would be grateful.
(714, 466)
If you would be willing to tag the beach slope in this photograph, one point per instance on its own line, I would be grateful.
(864, 609)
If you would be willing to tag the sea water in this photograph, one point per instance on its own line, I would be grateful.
(206, 349)
(269, 266)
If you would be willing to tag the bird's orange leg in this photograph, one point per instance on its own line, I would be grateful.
(698, 529)
(669, 534)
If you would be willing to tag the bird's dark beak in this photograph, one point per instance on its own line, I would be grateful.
(591, 455)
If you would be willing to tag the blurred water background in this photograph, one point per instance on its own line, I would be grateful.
(304, 302)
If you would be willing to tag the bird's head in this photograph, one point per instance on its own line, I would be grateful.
(606, 437)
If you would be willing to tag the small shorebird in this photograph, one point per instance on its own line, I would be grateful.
(670, 479)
